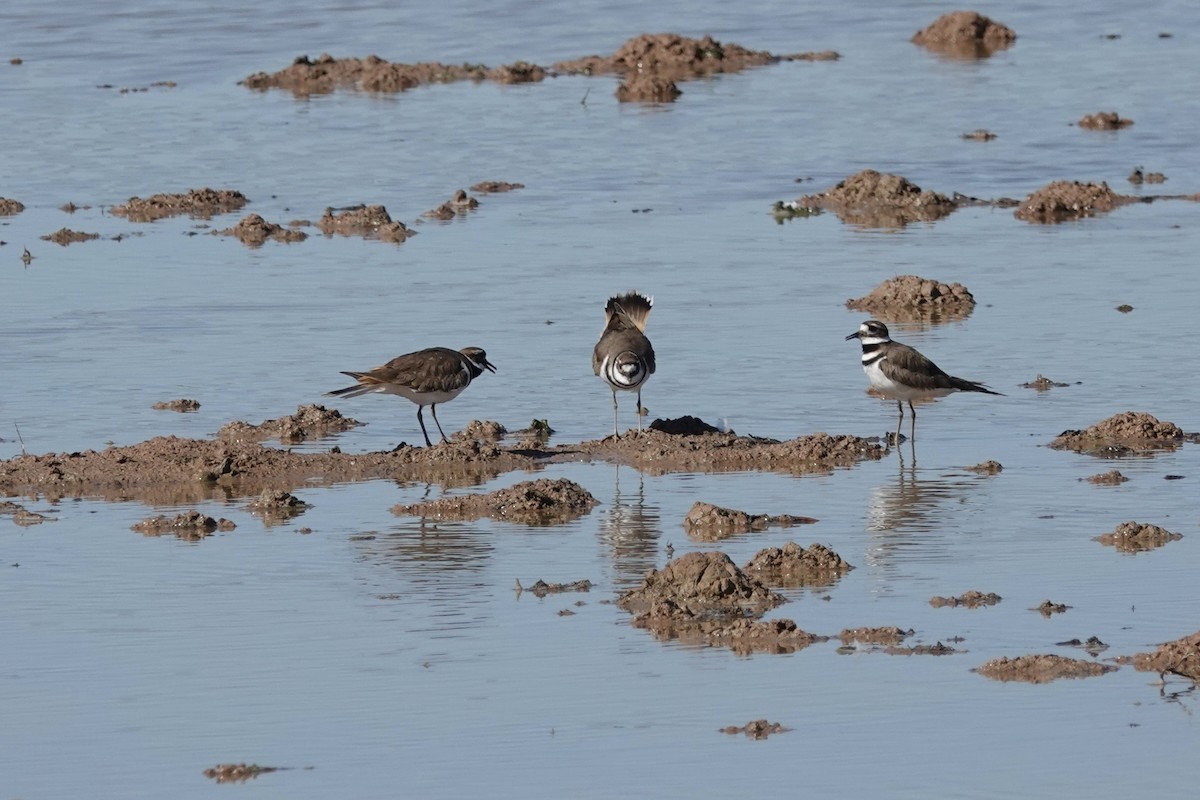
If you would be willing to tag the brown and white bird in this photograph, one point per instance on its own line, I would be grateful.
(426, 377)
(624, 356)
(898, 372)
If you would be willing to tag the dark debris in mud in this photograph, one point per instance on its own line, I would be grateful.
(1092, 645)
(707, 522)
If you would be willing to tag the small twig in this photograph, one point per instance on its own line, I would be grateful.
(19, 438)
(583, 102)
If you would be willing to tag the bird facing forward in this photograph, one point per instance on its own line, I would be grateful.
(426, 377)
(624, 356)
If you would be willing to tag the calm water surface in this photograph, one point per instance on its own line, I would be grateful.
(393, 656)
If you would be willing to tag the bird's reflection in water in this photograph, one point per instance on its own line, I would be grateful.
(631, 529)
(913, 515)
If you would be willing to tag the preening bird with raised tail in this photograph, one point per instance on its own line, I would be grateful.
(624, 356)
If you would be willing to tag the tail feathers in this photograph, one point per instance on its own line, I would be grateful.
(631, 309)
(366, 384)
(972, 386)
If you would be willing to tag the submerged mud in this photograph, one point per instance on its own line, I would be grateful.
(1137, 537)
(540, 502)
(971, 599)
(1041, 668)
(707, 522)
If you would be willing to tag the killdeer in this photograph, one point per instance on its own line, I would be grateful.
(623, 356)
(898, 372)
(426, 377)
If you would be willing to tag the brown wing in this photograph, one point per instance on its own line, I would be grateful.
(905, 365)
(436, 369)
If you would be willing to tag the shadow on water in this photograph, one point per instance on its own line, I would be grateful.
(631, 528)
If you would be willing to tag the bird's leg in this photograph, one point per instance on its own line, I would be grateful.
(433, 408)
(615, 434)
(421, 420)
(899, 422)
(913, 428)
(639, 409)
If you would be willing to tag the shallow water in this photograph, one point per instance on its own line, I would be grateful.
(393, 656)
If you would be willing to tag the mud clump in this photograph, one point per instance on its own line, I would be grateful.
(373, 74)
(1043, 384)
(370, 222)
(989, 467)
(889, 636)
(10, 207)
(875, 200)
(1064, 201)
(486, 430)
(254, 231)
(182, 405)
(312, 421)
(21, 515)
(191, 525)
(1178, 657)
(459, 205)
(1048, 608)
(979, 135)
(971, 599)
(1135, 537)
(683, 426)
(640, 88)
(1041, 668)
(707, 522)
(540, 502)
(910, 298)
(1122, 434)
(758, 729)
(197, 203)
(656, 452)
(236, 773)
(793, 566)
(541, 588)
(274, 506)
(1104, 121)
(965, 34)
(1111, 478)
(66, 236)
(1138, 177)
(494, 187)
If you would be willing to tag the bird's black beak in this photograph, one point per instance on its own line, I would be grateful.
(487, 364)
(855, 335)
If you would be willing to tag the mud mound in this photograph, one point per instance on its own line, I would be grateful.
(683, 426)
(484, 429)
(1122, 434)
(21, 515)
(1048, 608)
(707, 522)
(1111, 478)
(236, 773)
(1138, 177)
(540, 588)
(187, 525)
(540, 502)
(457, 206)
(493, 187)
(374, 74)
(910, 298)
(658, 453)
(699, 583)
(9, 207)
(966, 34)
(1178, 657)
(197, 203)
(1136, 537)
(274, 506)
(758, 729)
(1104, 121)
(876, 200)
(1041, 668)
(793, 566)
(370, 222)
(312, 421)
(254, 231)
(1043, 384)
(66, 236)
(889, 635)
(1063, 201)
(989, 467)
(640, 88)
(971, 599)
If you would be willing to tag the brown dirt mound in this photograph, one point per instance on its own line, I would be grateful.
(540, 588)
(641, 88)
(1043, 384)
(758, 729)
(540, 502)
(254, 231)
(658, 453)
(793, 566)
(484, 429)
(987, 468)
(274, 506)
(1136, 537)
(186, 525)
(197, 203)
(966, 34)
(1104, 121)
(1041, 668)
(493, 187)
(457, 206)
(1122, 434)
(701, 583)
(889, 635)
(910, 298)
(707, 522)
(370, 222)
(183, 405)
(236, 773)
(9, 207)
(1049, 608)
(1111, 478)
(21, 515)
(1062, 201)
(374, 74)
(876, 200)
(66, 236)
(1178, 657)
(312, 421)
(971, 599)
